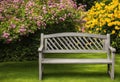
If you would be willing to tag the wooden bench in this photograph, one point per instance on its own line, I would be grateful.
(76, 43)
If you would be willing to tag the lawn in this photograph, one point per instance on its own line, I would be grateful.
(27, 71)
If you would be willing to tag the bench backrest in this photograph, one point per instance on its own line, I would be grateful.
(75, 43)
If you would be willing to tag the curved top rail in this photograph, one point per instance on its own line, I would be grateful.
(75, 34)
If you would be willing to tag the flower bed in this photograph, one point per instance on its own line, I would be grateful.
(23, 17)
(104, 18)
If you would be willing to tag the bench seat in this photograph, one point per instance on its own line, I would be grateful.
(75, 61)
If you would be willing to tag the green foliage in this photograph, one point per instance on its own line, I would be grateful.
(116, 43)
(25, 49)
(60, 27)
(25, 20)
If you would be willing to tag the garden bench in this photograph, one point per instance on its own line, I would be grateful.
(76, 43)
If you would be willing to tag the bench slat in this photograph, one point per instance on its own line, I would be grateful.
(73, 41)
(52, 44)
(75, 61)
(98, 42)
(93, 42)
(66, 43)
(81, 45)
(75, 34)
(74, 51)
(62, 43)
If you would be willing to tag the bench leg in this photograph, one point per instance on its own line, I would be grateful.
(108, 68)
(112, 71)
(40, 66)
(40, 72)
(112, 66)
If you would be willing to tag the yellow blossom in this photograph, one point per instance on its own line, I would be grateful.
(108, 20)
(90, 31)
(115, 2)
(118, 23)
(117, 28)
(110, 24)
(118, 16)
(104, 31)
(97, 29)
(102, 17)
(113, 31)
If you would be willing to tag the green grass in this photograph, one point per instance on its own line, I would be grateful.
(27, 71)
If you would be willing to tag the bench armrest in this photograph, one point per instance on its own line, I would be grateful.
(40, 49)
(112, 49)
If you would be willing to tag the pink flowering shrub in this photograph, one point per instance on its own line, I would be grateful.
(22, 17)
(18, 18)
(64, 10)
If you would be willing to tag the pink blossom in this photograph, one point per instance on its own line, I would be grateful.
(81, 7)
(30, 3)
(62, 6)
(35, 18)
(83, 29)
(30, 17)
(41, 17)
(8, 40)
(1, 9)
(16, 6)
(26, 8)
(15, 1)
(5, 35)
(50, 4)
(8, 0)
(44, 7)
(22, 29)
(1, 17)
(69, 14)
(12, 26)
(30, 31)
(44, 11)
(62, 19)
(53, 11)
(38, 23)
(44, 24)
(16, 19)
(74, 5)
(69, 3)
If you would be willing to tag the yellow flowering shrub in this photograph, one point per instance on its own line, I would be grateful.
(104, 17)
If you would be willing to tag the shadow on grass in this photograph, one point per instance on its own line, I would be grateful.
(30, 71)
(75, 74)
(80, 75)
(78, 71)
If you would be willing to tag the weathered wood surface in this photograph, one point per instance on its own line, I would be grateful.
(75, 61)
(73, 43)
(76, 43)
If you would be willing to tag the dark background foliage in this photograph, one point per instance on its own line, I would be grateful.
(26, 48)
(88, 3)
